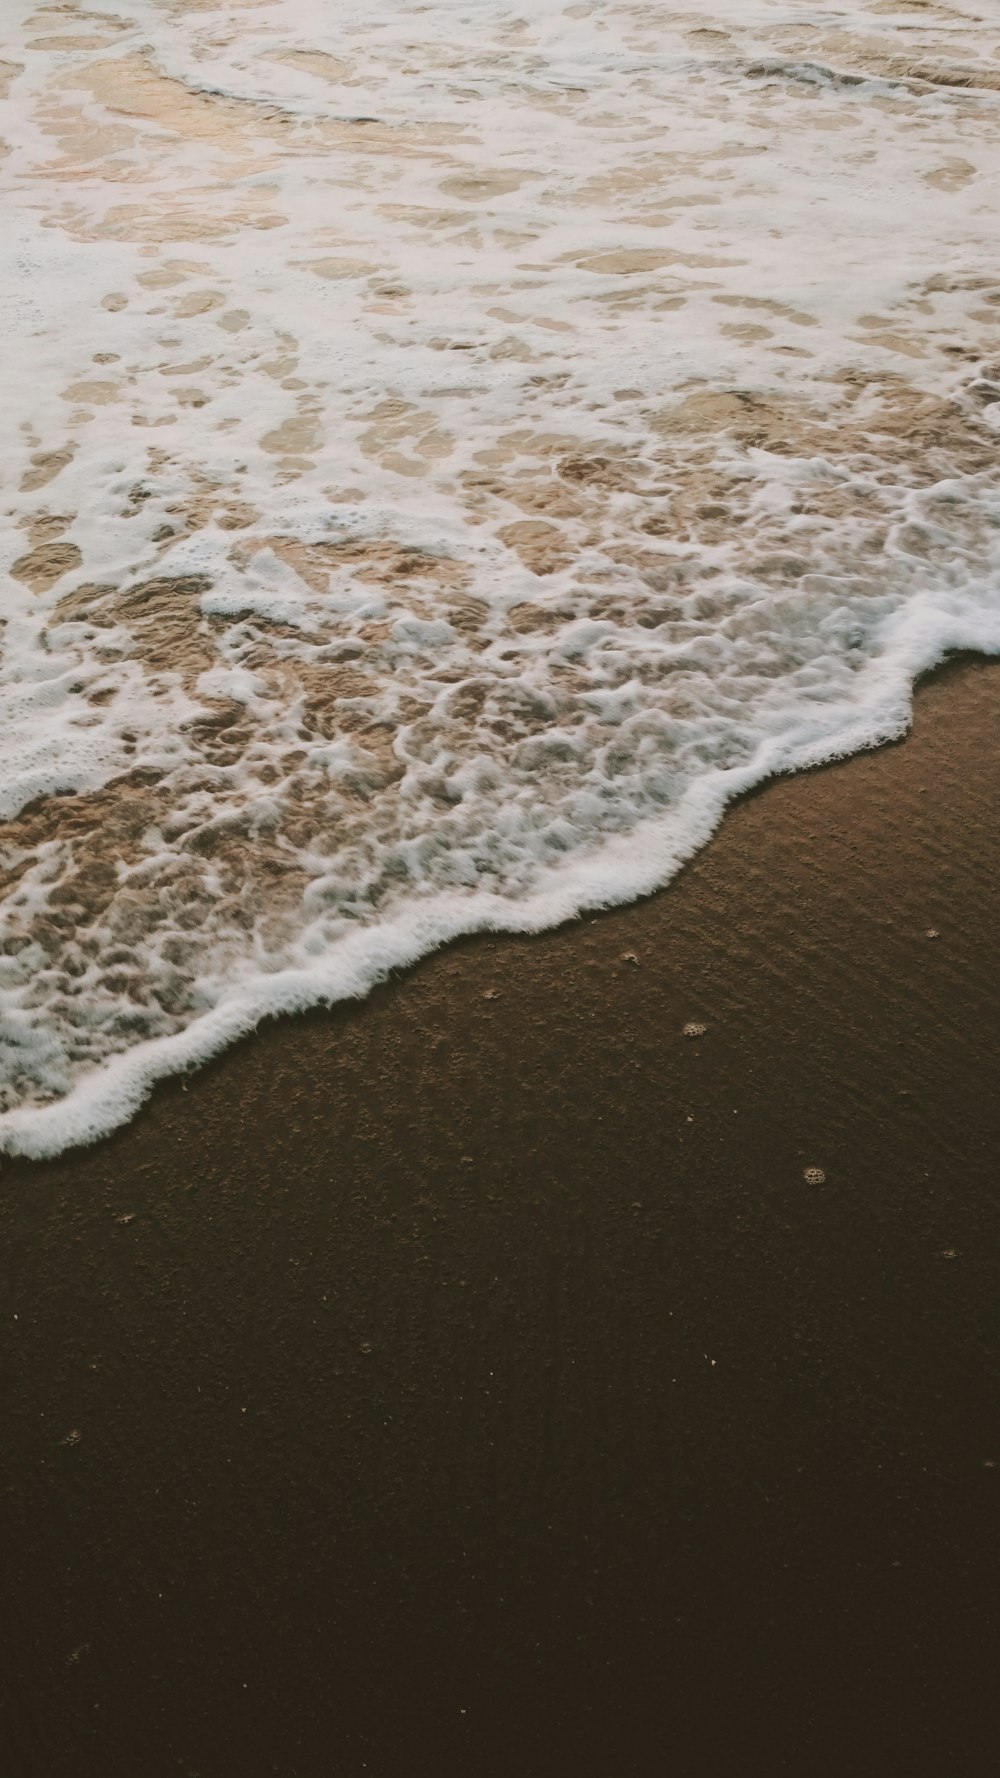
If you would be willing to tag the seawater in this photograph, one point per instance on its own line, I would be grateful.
(450, 450)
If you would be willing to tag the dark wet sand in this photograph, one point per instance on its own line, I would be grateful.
(472, 1385)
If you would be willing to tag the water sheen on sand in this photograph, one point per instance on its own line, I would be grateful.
(449, 454)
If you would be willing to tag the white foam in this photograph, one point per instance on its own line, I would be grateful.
(458, 507)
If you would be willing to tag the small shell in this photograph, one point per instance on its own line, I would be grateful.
(814, 1176)
(693, 1029)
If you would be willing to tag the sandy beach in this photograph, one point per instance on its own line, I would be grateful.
(466, 473)
(470, 1381)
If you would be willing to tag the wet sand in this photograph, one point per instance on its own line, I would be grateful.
(469, 1382)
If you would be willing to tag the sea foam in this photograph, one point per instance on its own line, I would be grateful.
(448, 455)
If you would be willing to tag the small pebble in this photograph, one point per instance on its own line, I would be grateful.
(814, 1176)
(492, 994)
(932, 932)
(630, 957)
(693, 1029)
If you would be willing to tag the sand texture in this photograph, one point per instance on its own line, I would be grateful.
(472, 1382)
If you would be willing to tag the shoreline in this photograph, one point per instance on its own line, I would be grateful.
(625, 870)
(468, 1379)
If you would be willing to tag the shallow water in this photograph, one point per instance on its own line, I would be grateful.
(448, 454)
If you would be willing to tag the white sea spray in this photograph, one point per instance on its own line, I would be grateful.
(448, 453)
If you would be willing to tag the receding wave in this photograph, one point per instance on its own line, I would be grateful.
(451, 454)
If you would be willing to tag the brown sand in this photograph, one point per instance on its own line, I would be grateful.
(469, 1382)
